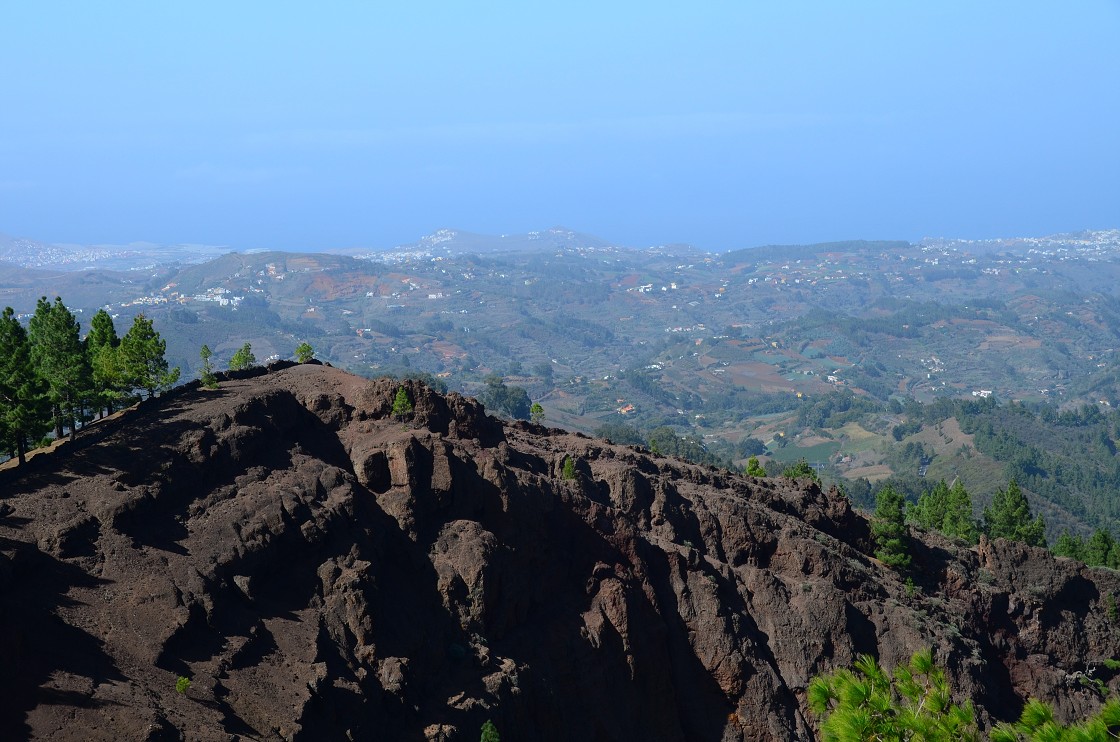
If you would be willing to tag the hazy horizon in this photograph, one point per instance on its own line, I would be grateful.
(257, 126)
(356, 249)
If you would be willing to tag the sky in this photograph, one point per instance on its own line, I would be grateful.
(724, 124)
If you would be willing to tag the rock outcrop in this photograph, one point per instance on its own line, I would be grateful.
(320, 570)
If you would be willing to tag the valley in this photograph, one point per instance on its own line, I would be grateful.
(828, 353)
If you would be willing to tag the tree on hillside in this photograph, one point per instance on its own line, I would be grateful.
(544, 371)
(754, 469)
(1009, 517)
(959, 520)
(751, 447)
(58, 355)
(888, 528)
(111, 382)
(929, 511)
(143, 358)
(800, 469)
(517, 403)
(1069, 546)
(510, 400)
(207, 376)
(945, 509)
(402, 405)
(663, 440)
(243, 358)
(1101, 550)
(24, 408)
(102, 331)
(489, 733)
(103, 354)
(304, 353)
(536, 413)
(627, 435)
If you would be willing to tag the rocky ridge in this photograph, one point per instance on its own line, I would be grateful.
(320, 570)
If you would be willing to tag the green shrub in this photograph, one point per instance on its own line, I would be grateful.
(489, 733)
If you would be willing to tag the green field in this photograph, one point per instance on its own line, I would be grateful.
(819, 452)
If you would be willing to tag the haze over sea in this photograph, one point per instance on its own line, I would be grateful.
(725, 125)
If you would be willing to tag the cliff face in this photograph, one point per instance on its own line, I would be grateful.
(322, 571)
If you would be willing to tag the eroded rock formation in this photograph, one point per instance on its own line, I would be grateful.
(320, 570)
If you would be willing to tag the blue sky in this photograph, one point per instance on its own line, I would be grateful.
(723, 124)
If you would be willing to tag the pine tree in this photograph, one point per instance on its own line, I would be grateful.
(888, 528)
(536, 413)
(512, 400)
(959, 520)
(1069, 546)
(945, 509)
(869, 704)
(754, 469)
(1037, 724)
(102, 353)
(243, 358)
(58, 355)
(1009, 517)
(207, 377)
(916, 704)
(102, 332)
(1101, 550)
(110, 379)
(38, 326)
(402, 405)
(929, 512)
(24, 409)
(489, 733)
(801, 469)
(143, 358)
(304, 353)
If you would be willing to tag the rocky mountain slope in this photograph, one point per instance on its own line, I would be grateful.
(320, 571)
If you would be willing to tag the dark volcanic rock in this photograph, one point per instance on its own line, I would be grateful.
(323, 571)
